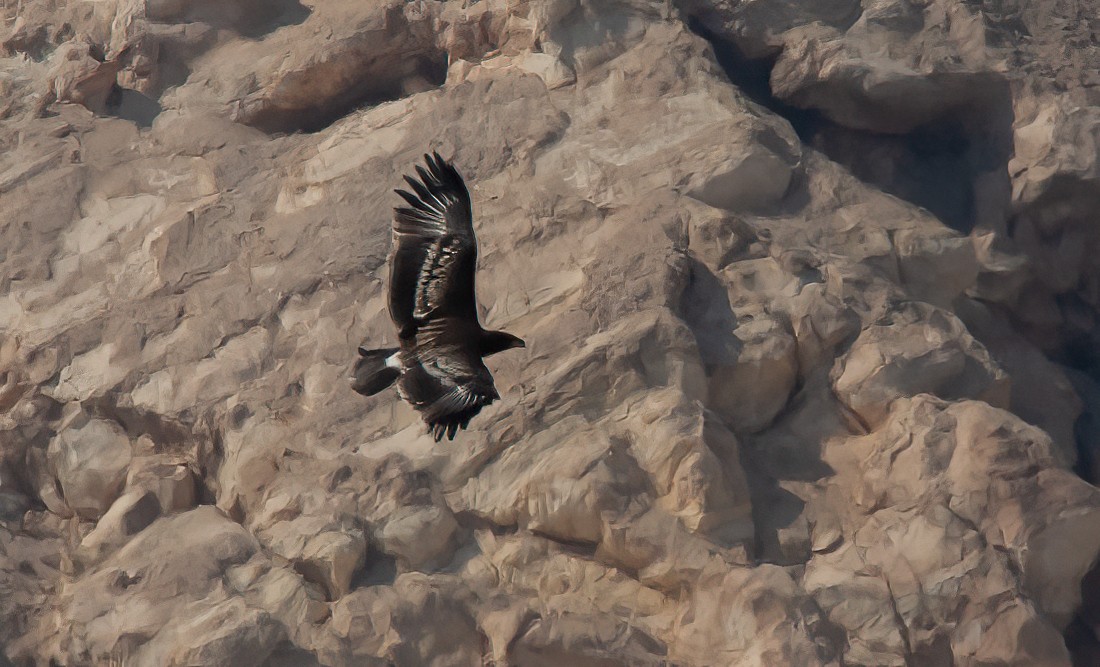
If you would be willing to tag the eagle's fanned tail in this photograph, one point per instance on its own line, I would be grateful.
(372, 372)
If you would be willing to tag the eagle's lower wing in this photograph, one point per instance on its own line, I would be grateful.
(435, 251)
(448, 391)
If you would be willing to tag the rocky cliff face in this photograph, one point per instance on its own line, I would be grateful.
(809, 291)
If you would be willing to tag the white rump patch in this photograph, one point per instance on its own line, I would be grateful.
(392, 361)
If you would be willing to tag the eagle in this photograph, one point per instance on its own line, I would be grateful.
(439, 367)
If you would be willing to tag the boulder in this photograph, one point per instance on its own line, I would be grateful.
(91, 458)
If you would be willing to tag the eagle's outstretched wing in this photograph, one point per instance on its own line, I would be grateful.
(432, 300)
(435, 251)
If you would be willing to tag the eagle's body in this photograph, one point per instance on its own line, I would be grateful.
(438, 367)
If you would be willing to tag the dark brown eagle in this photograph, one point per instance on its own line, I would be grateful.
(438, 368)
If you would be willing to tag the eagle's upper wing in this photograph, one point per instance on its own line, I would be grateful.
(448, 389)
(435, 252)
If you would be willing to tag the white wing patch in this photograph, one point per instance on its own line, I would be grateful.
(432, 282)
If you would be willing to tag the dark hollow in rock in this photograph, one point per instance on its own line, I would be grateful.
(272, 115)
(251, 18)
(955, 166)
(1083, 634)
(131, 105)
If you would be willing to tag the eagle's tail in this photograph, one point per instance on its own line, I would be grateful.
(375, 370)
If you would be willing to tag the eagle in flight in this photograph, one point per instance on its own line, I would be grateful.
(439, 367)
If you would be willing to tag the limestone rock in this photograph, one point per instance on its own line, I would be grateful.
(91, 460)
(754, 181)
(916, 349)
(231, 634)
(806, 287)
(420, 537)
(753, 391)
(718, 622)
(170, 480)
(379, 624)
(128, 515)
(328, 557)
(965, 529)
(160, 581)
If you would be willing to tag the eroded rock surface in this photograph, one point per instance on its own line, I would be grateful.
(808, 299)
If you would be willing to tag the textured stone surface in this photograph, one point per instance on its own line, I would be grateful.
(90, 458)
(807, 291)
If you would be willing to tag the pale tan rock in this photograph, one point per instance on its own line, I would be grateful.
(753, 391)
(420, 537)
(754, 181)
(820, 324)
(1001, 446)
(575, 639)
(169, 479)
(866, 91)
(90, 457)
(283, 593)
(76, 76)
(719, 445)
(951, 444)
(692, 460)
(128, 515)
(333, 558)
(935, 268)
(325, 556)
(915, 349)
(1041, 392)
(163, 581)
(383, 624)
(743, 616)
(229, 634)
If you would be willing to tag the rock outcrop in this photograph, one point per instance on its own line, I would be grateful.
(811, 321)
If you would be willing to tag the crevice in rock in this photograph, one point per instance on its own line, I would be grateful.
(830, 639)
(289, 655)
(955, 166)
(169, 435)
(380, 569)
(1083, 633)
(470, 521)
(705, 307)
(421, 74)
(313, 573)
(952, 167)
(363, 73)
(581, 548)
(252, 18)
(1086, 429)
(774, 511)
(753, 78)
(133, 106)
(1053, 299)
(267, 16)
